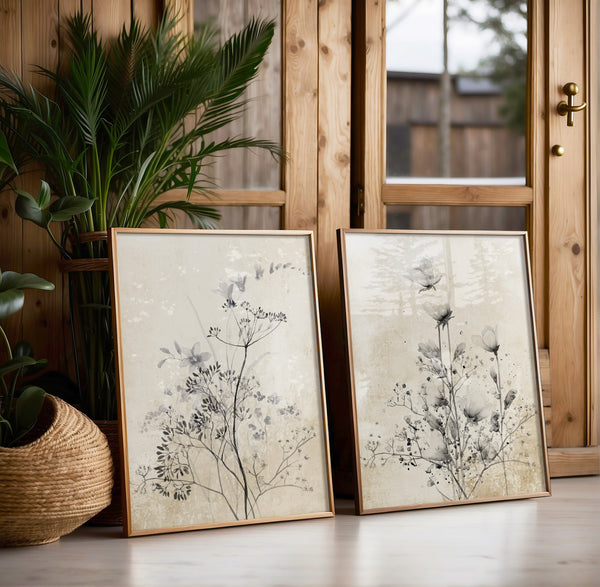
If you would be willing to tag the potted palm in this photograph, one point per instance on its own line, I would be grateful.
(130, 119)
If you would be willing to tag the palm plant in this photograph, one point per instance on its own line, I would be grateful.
(129, 120)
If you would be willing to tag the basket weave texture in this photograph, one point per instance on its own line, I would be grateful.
(54, 484)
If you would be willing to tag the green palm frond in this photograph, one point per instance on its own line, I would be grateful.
(130, 119)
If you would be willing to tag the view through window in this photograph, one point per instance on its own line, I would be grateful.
(456, 91)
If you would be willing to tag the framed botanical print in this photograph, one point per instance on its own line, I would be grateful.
(222, 406)
(443, 365)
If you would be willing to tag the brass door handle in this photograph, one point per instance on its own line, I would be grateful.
(568, 108)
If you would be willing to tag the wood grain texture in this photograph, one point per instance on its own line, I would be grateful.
(146, 12)
(11, 226)
(300, 111)
(228, 197)
(373, 112)
(110, 16)
(333, 197)
(593, 312)
(456, 195)
(567, 242)
(536, 161)
(569, 462)
(43, 311)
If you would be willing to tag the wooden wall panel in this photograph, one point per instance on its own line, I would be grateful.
(300, 88)
(110, 16)
(31, 36)
(333, 202)
(42, 314)
(11, 235)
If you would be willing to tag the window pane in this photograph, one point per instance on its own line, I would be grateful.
(456, 217)
(244, 169)
(249, 217)
(460, 112)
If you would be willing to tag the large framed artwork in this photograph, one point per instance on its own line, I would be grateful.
(443, 365)
(222, 405)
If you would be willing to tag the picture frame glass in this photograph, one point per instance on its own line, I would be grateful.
(220, 376)
(443, 365)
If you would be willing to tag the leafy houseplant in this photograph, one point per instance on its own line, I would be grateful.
(130, 120)
(19, 405)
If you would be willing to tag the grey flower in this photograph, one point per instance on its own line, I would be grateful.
(425, 275)
(441, 313)
(488, 340)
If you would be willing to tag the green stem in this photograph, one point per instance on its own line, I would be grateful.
(6, 342)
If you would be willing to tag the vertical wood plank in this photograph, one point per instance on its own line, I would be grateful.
(537, 150)
(110, 16)
(335, 62)
(567, 241)
(593, 66)
(11, 235)
(373, 112)
(300, 110)
(146, 12)
(42, 315)
(184, 10)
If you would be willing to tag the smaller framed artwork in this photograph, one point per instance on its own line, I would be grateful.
(443, 367)
(221, 395)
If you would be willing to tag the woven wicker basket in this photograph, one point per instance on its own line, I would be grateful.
(57, 482)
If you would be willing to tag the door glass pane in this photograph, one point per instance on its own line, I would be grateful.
(241, 168)
(249, 217)
(456, 217)
(456, 91)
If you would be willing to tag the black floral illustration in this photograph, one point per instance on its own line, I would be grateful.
(461, 420)
(217, 427)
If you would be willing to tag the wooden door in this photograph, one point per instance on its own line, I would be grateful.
(572, 230)
(558, 200)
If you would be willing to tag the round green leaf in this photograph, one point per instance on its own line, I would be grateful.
(17, 363)
(14, 280)
(29, 405)
(27, 208)
(11, 301)
(65, 208)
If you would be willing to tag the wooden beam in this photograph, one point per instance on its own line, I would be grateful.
(570, 462)
(228, 197)
(455, 195)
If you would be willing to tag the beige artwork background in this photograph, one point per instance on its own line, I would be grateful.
(172, 289)
(483, 279)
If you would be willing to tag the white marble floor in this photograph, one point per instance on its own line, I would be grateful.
(546, 541)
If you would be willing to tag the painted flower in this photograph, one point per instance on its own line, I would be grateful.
(488, 340)
(429, 349)
(475, 409)
(441, 313)
(425, 275)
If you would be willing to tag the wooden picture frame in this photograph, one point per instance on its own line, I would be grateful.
(221, 394)
(443, 368)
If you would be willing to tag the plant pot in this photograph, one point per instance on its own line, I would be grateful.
(56, 482)
(91, 320)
